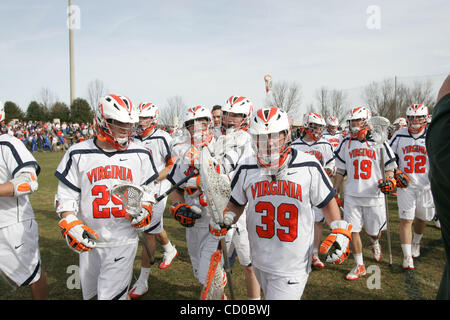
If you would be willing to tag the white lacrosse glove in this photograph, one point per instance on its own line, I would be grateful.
(338, 242)
(193, 186)
(140, 218)
(219, 231)
(25, 183)
(79, 237)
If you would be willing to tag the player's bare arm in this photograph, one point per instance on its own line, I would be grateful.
(236, 209)
(164, 172)
(6, 189)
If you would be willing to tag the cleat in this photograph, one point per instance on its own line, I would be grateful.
(408, 263)
(376, 250)
(415, 250)
(317, 263)
(139, 289)
(168, 258)
(357, 271)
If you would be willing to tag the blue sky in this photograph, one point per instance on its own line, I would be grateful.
(206, 51)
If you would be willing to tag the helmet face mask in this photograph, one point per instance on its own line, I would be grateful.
(115, 121)
(359, 122)
(271, 138)
(148, 119)
(236, 114)
(314, 125)
(417, 117)
(199, 124)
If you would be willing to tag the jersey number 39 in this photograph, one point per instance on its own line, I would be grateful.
(287, 216)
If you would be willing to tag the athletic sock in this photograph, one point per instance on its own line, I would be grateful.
(358, 258)
(417, 237)
(145, 273)
(406, 248)
(168, 247)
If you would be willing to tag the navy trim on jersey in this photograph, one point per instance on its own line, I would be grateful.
(19, 161)
(169, 154)
(62, 176)
(170, 177)
(238, 172)
(302, 142)
(152, 228)
(33, 275)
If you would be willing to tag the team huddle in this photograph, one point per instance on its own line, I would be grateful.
(282, 193)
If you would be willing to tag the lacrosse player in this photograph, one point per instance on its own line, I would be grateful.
(280, 186)
(236, 115)
(313, 142)
(400, 123)
(20, 258)
(415, 201)
(94, 222)
(157, 142)
(188, 202)
(217, 120)
(364, 205)
(331, 133)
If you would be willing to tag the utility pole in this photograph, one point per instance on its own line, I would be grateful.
(72, 73)
(395, 97)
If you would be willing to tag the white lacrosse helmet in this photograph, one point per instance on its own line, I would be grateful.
(115, 121)
(359, 113)
(400, 123)
(313, 125)
(2, 111)
(147, 110)
(417, 117)
(332, 121)
(237, 105)
(200, 135)
(265, 128)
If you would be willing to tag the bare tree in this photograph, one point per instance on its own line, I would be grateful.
(171, 114)
(391, 100)
(286, 96)
(331, 102)
(96, 90)
(47, 98)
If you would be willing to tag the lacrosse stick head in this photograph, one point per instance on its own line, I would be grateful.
(268, 82)
(379, 129)
(130, 195)
(216, 189)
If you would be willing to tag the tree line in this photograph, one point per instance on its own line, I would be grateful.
(386, 98)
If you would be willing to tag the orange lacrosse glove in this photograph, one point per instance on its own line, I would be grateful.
(387, 186)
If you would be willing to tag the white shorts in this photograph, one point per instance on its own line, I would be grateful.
(156, 225)
(20, 258)
(201, 245)
(107, 272)
(237, 238)
(371, 218)
(277, 287)
(415, 204)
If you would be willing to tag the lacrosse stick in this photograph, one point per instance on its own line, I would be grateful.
(378, 128)
(217, 192)
(131, 196)
(268, 84)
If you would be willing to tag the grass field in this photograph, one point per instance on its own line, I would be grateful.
(177, 282)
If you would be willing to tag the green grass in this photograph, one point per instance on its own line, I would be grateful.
(178, 282)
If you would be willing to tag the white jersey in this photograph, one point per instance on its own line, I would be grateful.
(158, 144)
(15, 158)
(361, 161)
(333, 139)
(322, 150)
(87, 173)
(280, 219)
(230, 154)
(412, 157)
